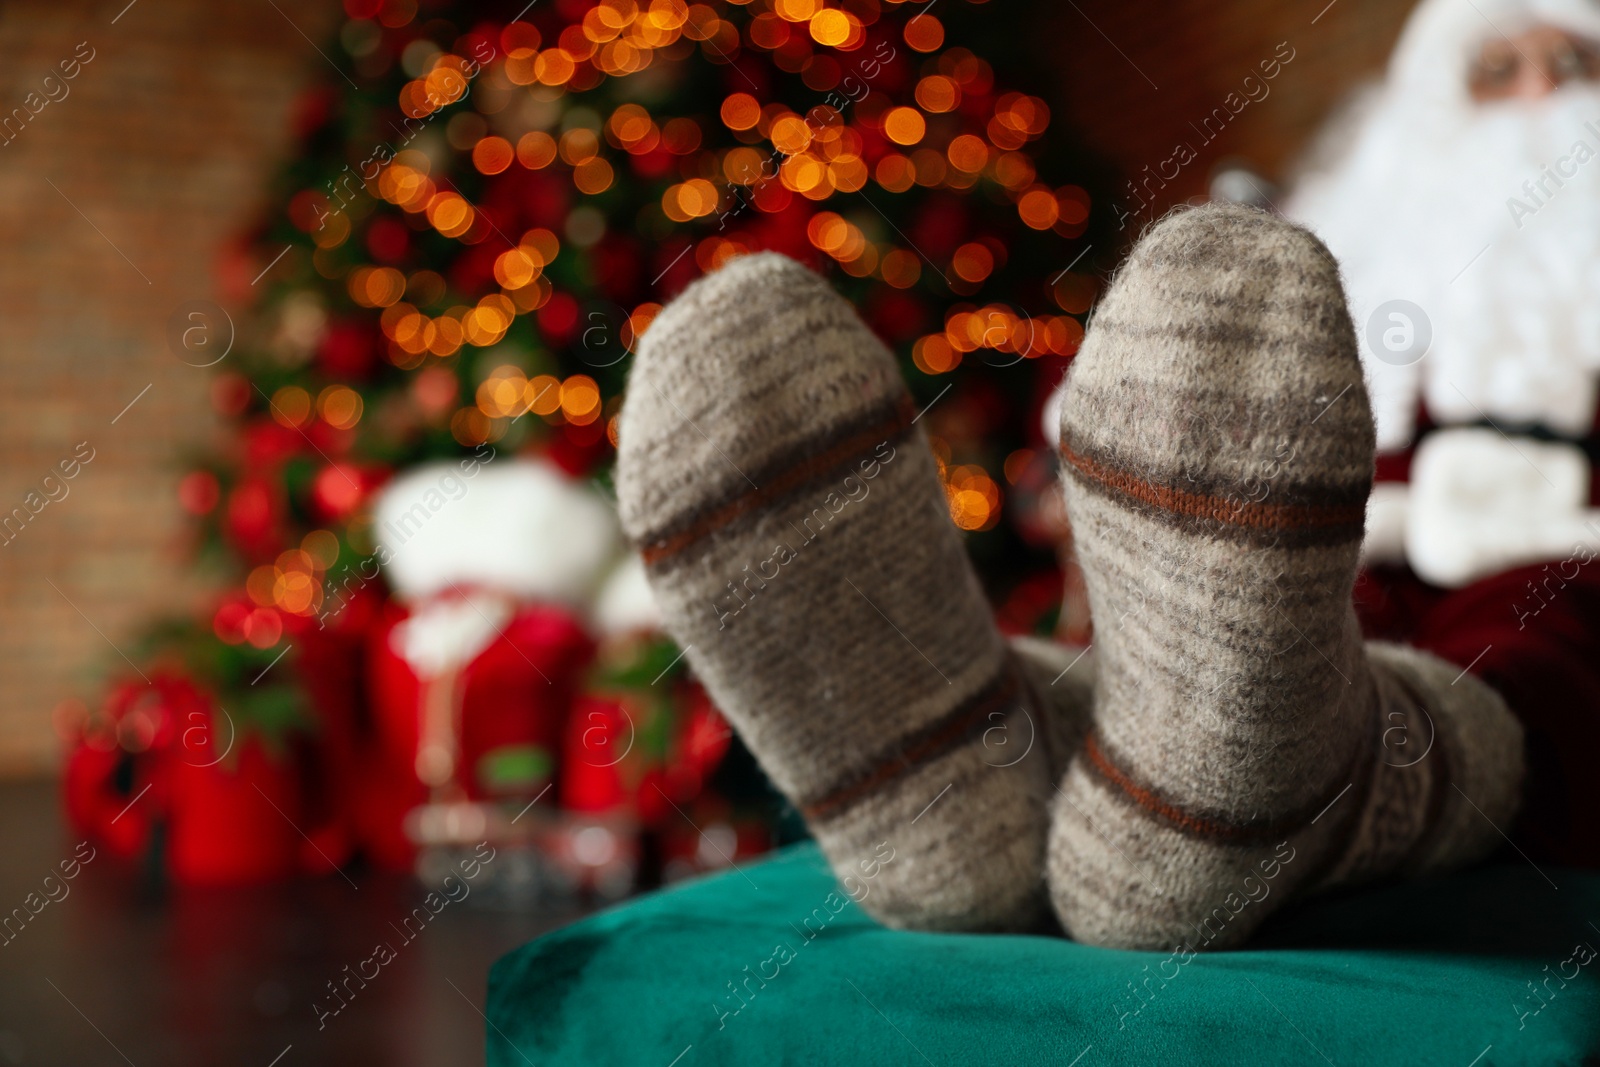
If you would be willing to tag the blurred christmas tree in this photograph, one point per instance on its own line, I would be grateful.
(474, 238)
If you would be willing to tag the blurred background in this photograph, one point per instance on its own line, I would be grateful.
(317, 320)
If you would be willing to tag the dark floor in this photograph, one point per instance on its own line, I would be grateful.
(114, 974)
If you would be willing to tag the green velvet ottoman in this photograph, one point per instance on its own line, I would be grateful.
(775, 964)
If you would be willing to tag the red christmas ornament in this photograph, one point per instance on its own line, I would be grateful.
(253, 512)
(577, 450)
(348, 351)
(558, 319)
(229, 620)
(388, 240)
(267, 444)
(338, 490)
(198, 492)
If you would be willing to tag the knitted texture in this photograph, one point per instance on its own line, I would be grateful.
(798, 541)
(1063, 676)
(1217, 444)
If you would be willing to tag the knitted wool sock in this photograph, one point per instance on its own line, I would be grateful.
(799, 544)
(1218, 449)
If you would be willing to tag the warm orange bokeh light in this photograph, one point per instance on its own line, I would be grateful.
(580, 399)
(376, 287)
(450, 214)
(536, 150)
(901, 268)
(938, 94)
(592, 176)
(968, 153)
(491, 155)
(895, 173)
(790, 135)
(1075, 292)
(554, 67)
(830, 26)
(1038, 209)
(924, 33)
(543, 245)
(904, 125)
(795, 10)
(340, 406)
(740, 111)
(291, 406)
(516, 268)
(743, 166)
(973, 262)
(934, 355)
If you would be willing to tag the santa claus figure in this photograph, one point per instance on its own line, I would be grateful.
(502, 573)
(1461, 197)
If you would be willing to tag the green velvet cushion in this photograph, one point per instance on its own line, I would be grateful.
(1495, 966)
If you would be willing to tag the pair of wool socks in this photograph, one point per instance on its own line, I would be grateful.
(773, 474)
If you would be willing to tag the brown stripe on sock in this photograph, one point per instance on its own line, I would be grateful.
(963, 722)
(1258, 520)
(1210, 827)
(1205, 332)
(789, 471)
(1348, 814)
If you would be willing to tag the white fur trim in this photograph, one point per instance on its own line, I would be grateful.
(625, 604)
(448, 634)
(1482, 503)
(516, 526)
(1386, 523)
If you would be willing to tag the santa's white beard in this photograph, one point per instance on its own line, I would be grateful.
(1418, 210)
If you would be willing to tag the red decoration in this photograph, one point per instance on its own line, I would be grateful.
(348, 351)
(199, 492)
(514, 698)
(163, 755)
(340, 488)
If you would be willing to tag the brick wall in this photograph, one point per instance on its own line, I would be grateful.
(162, 142)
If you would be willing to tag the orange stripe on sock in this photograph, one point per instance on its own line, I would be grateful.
(1247, 513)
(1149, 801)
(782, 483)
(1199, 825)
